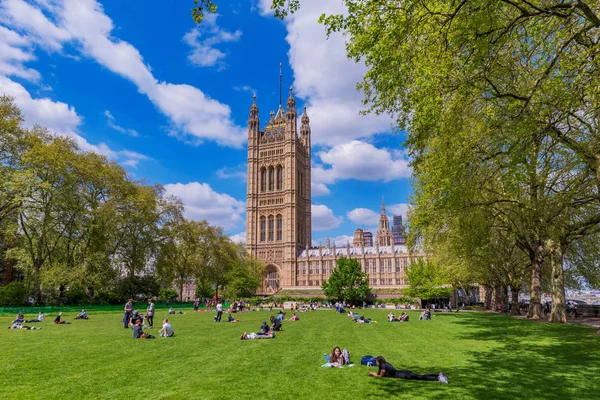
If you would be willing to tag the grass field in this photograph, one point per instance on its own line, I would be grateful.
(486, 356)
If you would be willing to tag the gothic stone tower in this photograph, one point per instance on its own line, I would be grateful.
(384, 235)
(278, 205)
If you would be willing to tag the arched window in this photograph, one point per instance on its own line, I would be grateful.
(279, 227)
(271, 178)
(271, 226)
(279, 177)
(263, 228)
(263, 179)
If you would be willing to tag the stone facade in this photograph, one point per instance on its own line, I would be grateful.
(278, 212)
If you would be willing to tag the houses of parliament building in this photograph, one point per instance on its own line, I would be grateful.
(278, 212)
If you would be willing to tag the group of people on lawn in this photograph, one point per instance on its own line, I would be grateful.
(268, 331)
(19, 321)
(132, 318)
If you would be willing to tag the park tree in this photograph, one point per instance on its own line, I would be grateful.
(347, 282)
(245, 276)
(180, 251)
(524, 72)
(427, 281)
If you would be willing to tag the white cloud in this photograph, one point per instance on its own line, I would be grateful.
(239, 238)
(329, 85)
(192, 113)
(32, 20)
(203, 203)
(340, 241)
(349, 161)
(319, 189)
(364, 217)
(369, 218)
(238, 172)
(323, 218)
(61, 119)
(245, 88)
(399, 209)
(203, 39)
(15, 50)
(110, 120)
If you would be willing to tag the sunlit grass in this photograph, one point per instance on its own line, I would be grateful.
(486, 356)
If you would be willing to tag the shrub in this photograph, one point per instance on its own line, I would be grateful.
(12, 295)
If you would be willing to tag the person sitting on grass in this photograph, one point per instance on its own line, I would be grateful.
(403, 317)
(138, 333)
(281, 316)
(386, 370)
(231, 319)
(24, 327)
(82, 315)
(19, 319)
(294, 317)
(264, 328)
(275, 324)
(171, 311)
(135, 317)
(391, 316)
(40, 318)
(252, 336)
(167, 329)
(58, 320)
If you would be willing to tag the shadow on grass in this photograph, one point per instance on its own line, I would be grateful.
(527, 360)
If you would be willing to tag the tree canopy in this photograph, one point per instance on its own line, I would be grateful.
(347, 282)
(74, 224)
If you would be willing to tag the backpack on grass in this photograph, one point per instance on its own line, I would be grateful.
(346, 355)
(369, 361)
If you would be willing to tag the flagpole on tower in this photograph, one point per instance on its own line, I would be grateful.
(280, 81)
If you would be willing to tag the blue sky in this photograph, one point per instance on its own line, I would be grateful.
(142, 84)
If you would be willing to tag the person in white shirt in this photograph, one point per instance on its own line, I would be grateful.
(219, 312)
(167, 329)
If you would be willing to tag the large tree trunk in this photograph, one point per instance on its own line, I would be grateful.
(487, 300)
(559, 308)
(516, 309)
(504, 298)
(495, 299)
(535, 304)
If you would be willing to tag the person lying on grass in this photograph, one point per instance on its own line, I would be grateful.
(24, 327)
(386, 370)
(167, 329)
(403, 317)
(252, 336)
(335, 358)
(58, 320)
(138, 333)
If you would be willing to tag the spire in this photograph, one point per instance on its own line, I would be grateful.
(280, 81)
(254, 107)
(382, 206)
(291, 102)
(305, 119)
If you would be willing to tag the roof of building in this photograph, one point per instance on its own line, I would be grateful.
(354, 251)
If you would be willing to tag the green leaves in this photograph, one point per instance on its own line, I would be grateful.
(347, 282)
(426, 281)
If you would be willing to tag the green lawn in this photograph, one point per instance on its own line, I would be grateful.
(486, 356)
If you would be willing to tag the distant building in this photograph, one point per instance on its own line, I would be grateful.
(398, 230)
(368, 239)
(278, 213)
